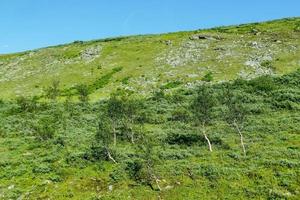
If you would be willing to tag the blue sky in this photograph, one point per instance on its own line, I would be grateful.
(30, 24)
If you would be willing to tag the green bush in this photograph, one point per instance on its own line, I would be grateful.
(26, 104)
(53, 91)
(119, 174)
(44, 130)
(185, 139)
(263, 84)
(83, 92)
(134, 169)
(171, 85)
(42, 169)
(208, 77)
(180, 114)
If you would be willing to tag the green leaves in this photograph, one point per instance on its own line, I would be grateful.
(202, 105)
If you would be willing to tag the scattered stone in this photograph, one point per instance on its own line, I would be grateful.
(168, 42)
(11, 187)
(188, 52)
(91, 53)
(219, 49)
(255, 32)
(192, 75)
(277, 41)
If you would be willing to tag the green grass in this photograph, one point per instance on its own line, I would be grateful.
(48, 148)
(63, 168)
(152, 61)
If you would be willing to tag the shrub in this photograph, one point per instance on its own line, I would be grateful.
(174, 154)
(292, 79)
(83, 91)
(285, 99)
(134, 169)
(44, 130)
(263, 84)
(171, 85)
(185, 139)
(158, 95)
(210, 172)
(180, 114)
(52, 92)
(26, 104)
(76, 159)
(118, 174)
(208, 77)
(41, 169)
(267, 64)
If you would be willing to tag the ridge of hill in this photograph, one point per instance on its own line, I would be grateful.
(147, 62)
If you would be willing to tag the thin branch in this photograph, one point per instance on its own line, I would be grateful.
(110, 157)
(241, 137)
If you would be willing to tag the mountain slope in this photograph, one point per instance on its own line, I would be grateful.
(222, 140)
(147, 62)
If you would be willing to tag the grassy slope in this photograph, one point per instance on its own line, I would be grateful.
(153, 60)
(30, 169)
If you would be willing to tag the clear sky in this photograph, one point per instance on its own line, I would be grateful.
(30, 24)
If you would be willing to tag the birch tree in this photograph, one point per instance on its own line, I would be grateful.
(202, 109)
(236, 114)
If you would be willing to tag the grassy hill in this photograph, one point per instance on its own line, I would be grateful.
(147, 62)
(133, 117)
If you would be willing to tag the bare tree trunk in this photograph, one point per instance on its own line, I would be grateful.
(157, 182)
(241, 137)
(110, 157)
(132, 135)
(207, 139)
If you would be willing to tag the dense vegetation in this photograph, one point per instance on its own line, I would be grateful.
(230, 140)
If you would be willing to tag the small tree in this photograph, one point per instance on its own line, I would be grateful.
(131, 115)
(44, 130)
(202, 107)
(115, 112)
(83, 92)
(236, 113)
(53, 91)
(146, 172)
(103, 137)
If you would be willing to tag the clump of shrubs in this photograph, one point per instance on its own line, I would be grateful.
(44, 130)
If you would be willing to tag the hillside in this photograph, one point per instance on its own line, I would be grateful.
(143, 63)
(209, 114)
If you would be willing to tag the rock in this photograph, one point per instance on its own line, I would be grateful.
(168, 42)
(204, 37)
(11, 187)
(169, 187)
(255, 32)
(277, 41)
(90, 53)
(110, 187)
(200, 37)
(219, 49)
(46, 182)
